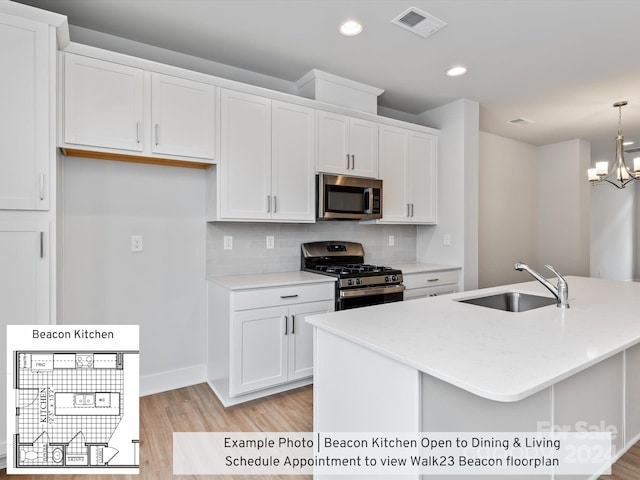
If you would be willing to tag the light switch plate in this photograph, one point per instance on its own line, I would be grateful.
(270, 241)
(392, 240)
(446, 239)
(228, 242)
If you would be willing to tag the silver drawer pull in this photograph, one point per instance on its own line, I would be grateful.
(289, 296)
(433, 280)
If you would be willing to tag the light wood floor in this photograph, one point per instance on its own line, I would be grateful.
(196, 409)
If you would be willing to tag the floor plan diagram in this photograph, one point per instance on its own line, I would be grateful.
(75, 410)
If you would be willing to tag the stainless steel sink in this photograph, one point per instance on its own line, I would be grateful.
(511, 301)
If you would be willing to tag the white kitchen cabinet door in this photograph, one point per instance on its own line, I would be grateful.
(245, 156)
(333, 138)
(182, 117)
(393, 172)
(408, 171)
(293, 162)
(300, 364)
(363, 147)
(103, 104)
(24, 276)
(422, 181)
(347, 146)
(24, 117)
(259, 346)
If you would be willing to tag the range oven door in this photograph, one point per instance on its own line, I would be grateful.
(363, 297)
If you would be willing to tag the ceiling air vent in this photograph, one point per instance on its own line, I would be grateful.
(521, 121)
(419, 22)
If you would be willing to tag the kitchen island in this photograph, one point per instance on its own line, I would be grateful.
(440, 365)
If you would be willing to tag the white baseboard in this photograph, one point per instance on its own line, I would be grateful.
(172, 379)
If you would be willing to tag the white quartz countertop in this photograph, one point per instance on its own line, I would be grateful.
(408, 268)
(498, 355)
(263, 280)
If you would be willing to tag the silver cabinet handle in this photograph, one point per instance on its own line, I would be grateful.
(347, 161)
(286, 324)
(157, 134)
(412, 209)
(433, 279)
(353, 162)
(41, 244)
(268, 203)
(42, 186)
(289, 296)
(138, 132)
(293, 324)
(408, 210)
(275, 204)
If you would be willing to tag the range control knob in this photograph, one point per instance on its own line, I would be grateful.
(386, 279)
(394, 278)
(358, 281)
(349, 282)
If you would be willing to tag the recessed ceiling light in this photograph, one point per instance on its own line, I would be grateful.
(350, 28)
(456, 71)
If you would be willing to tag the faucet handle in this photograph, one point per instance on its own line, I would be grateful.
(560, 277)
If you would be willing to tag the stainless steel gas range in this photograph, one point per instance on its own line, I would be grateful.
(359, 284)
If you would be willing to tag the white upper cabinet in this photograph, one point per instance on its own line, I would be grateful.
(182, 115)
(408, 170)
(292, 162)
(266, 159)
(103, 104)
(24, 133)
(245, 156)
(347, 145)
(117, 109)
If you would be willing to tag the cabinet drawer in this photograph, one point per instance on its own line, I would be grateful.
(430, 291)
(273, 297)
(430, 279)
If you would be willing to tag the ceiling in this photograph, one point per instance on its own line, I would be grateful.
(560, 63)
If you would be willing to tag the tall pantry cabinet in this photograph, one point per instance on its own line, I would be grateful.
(28, 41)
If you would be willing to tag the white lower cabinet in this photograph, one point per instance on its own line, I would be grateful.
(259, 341)
(271, 346)
(430, 284)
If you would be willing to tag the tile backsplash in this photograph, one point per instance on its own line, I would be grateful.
(250, 255)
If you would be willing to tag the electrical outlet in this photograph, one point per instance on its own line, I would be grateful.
(392, 240)
(136, 243)
(270, 241)
(228, 242)
(446, 239)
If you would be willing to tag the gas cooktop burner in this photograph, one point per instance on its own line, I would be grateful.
(362, 268)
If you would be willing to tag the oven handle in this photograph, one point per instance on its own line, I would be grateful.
(363, 292)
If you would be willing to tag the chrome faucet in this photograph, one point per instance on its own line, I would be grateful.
(561, 292)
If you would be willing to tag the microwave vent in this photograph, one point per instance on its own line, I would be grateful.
(419, 22)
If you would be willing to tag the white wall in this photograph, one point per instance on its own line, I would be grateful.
(457, 190)
(162, 289)
(563, 207)
(508, 202)
(613, 223)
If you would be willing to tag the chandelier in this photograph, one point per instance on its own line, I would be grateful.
(620, 175)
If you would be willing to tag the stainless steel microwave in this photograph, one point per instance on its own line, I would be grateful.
(349, 198)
